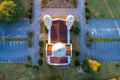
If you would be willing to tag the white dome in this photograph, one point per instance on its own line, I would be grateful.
(59, 50)
(70, 18)
(47, 18)
(48, 21)
(69, 21)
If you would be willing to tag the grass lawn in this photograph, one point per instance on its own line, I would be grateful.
(108, 70)
(100, 10)
(105, 39)
(17, 71)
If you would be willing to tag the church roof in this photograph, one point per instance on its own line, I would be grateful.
(58, 31)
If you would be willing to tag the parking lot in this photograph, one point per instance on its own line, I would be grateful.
(102, 51)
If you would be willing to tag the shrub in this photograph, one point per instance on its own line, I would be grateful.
(29, 43)
(113, 79)
(30, 10)
(40, 61)
(29, 58)
(87, 13)
(86, 3)
(94, 65)
(27, 64)
(117, 65)
(91, 39)
(85, 66)
(77, 63)
(90, 66)
(36, 67)
(41, 54)
(77, 53)
(87, 33)
(87, 44)
(30, 34)
(76, 30)
(31, 3)
(29, 15)
(70, 41)
(56, 78)
(41, 43)
(87, 39)
(11, 11)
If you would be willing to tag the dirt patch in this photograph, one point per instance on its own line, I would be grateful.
(2, 76)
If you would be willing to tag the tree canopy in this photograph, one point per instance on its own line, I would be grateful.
(11, 11)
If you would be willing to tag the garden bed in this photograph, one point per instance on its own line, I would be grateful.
(105, 39)
(28, 4)
(58, 4)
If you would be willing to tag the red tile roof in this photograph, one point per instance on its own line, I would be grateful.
(58, 31)
(49, 50)
(58, 60)
(68, 48)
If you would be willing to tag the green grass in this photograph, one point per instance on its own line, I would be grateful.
(99, 10)
(105, 39)
(13, 39)
(18, 71)
(107, 71)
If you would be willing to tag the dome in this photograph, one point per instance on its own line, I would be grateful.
(48, 21)
(59, 50)
(47, 18)
(70, 19)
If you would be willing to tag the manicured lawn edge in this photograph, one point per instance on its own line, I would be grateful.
(88, 40)
(105, 39)
(29, 39)
(13, 39)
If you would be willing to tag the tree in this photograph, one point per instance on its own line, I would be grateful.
(76, 30)
(41, 43)
(94, 65)
(113, 79)
(77, 63)
(56, 78)
(40, 61)
(77, 53)
(11, 11)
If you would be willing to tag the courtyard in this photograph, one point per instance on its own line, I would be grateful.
(60, 4)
